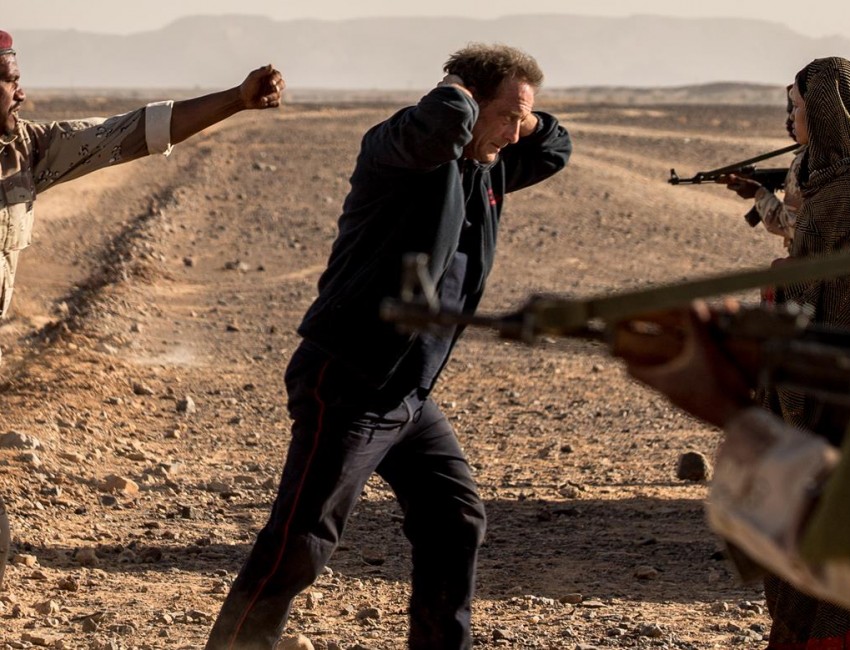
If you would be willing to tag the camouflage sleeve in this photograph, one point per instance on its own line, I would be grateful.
(780, 216)
(775, 214)
(66, 150)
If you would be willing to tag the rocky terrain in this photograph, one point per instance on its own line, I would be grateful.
(144, 419)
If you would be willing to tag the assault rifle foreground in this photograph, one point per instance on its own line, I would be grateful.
(776, 346)
(772, 178)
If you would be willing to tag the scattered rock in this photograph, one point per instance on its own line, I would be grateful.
(47, 607)
(68, 583)
(186, 405)
(368, 613)
(242, 267)
(119, 485)
(18, 440)
(501, 635)
(373, 557)
(86, 557)
(299, 642)
(142, 390)
(651, 631)
(646, 573)
(693, 466)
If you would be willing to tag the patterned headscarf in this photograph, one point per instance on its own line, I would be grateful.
(5, 43)
(824, 85)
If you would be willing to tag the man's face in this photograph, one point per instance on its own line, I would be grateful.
(801, 130)
(499, 120)
(11, 93)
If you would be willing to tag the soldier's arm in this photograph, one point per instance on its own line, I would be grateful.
(261, 89)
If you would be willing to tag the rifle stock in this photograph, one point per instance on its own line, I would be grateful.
(771, 178)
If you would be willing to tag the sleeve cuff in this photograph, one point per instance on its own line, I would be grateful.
(158, 127)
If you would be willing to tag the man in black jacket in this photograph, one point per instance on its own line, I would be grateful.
(430, 179)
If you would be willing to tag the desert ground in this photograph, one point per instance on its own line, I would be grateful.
(143, 363)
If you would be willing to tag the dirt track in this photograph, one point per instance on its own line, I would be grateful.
(126, 306)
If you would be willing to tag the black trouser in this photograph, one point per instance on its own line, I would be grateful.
(341, 434)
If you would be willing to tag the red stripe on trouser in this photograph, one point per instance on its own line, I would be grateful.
(285, 536)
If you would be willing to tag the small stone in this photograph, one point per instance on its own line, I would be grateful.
(501, 635)
(86, 557)
(24, 559)
(69, 583)
(18, 440)
(186, 405)
(693, 466)
(299, 642)
(30, 458)
(142, 389)
(119, 484)
(651, 631)
(646, 573)
(48, 607)
(93, 622)
(571, 599)
(39, 639)
(593, 604)
(368, 613)
(73, 457)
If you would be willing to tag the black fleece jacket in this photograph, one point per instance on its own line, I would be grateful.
(412, 191)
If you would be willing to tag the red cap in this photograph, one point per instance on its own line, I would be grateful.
(5, 43)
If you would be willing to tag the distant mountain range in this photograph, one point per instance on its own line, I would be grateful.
(408, 53)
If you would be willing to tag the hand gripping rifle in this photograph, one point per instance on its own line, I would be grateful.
(773, 178)
(775, 346)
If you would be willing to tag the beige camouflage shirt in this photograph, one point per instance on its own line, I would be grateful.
(40, 155)
(780, 215)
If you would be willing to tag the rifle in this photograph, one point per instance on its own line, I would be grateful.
(777, 346)
(772, 178)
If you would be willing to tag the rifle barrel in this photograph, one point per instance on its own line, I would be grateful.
(707, 176)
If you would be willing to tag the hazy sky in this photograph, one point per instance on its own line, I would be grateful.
(814, 18)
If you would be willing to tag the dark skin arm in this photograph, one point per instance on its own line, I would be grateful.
(261, 89)
(745, 188)
(691, 368)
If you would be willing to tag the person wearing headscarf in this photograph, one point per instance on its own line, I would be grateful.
(821, 98)
(35, 156)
